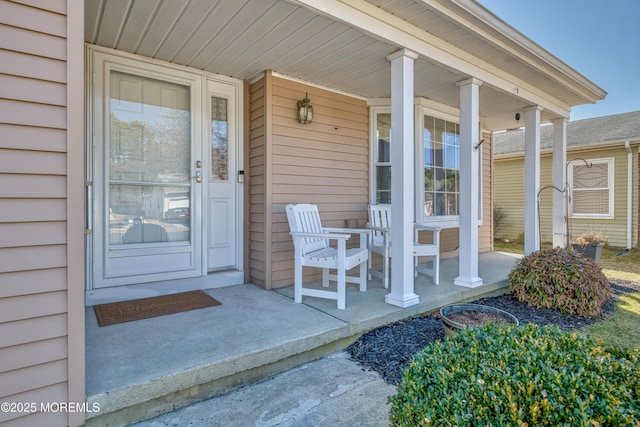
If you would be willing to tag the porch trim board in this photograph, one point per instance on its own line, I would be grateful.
(373, 20)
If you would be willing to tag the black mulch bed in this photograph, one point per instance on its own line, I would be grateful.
(389, 349)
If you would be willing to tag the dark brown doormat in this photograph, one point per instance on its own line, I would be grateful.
(144, 308)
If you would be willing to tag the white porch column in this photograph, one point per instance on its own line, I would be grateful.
(559, 181)
(531, 178)
(402, 196)
(469, 191)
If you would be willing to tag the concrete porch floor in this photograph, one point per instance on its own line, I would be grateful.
(138, 370)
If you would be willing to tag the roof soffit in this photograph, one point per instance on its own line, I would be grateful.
(380, 24)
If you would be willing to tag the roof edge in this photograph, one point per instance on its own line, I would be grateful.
(591, 92)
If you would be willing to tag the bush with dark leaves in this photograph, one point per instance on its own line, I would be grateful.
(561, 279)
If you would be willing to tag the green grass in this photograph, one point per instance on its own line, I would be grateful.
(620, 327)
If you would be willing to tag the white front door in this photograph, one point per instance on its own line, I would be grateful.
(223, 189)
(147, 146)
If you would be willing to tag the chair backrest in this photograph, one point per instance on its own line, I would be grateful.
(379, 216)
(306, 218)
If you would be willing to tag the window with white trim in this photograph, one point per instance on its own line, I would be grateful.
(437, 164)
(441, 167)
(382, 159)
(591, 185)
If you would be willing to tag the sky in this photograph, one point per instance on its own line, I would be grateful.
(598, 38)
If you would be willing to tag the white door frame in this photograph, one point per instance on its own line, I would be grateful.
(164, 284)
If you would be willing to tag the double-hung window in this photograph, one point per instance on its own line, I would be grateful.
(591, 184)
(437, 163)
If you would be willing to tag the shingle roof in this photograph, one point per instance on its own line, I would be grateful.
(588, 132)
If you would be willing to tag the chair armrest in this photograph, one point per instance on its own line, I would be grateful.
(320, 235)
(381, 229)
(346, 230)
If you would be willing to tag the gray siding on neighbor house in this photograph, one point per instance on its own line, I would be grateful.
(36, 346)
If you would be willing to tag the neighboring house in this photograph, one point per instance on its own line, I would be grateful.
(602, 179)
(149, 141)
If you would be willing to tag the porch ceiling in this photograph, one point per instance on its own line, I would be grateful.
(242, 38)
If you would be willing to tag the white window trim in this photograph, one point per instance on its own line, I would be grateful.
(610, 161)
(373, 147)
(422, 107)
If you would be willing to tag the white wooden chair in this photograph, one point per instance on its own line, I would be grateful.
(312, 249)
(380, 225)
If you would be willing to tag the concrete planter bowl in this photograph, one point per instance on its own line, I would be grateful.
(591, 250)
(451, 326)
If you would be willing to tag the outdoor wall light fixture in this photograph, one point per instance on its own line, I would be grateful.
(305, 110)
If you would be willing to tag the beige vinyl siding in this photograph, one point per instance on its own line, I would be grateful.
(325, 162)
(41, 222)
(485, 232)
(256, 181)
(509, 188)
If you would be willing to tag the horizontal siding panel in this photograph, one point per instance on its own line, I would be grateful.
(33, 330)
(328, 164)
(32, 234)
(32, 258)
(313, 190)
(33, 19)
(53, 393)
(345, 121)
(301, 171)
(35, 67)
(305, 198)
(29, 114)
(319, 133)
(33, 186)
(30, 90)
(33, 162)
(21, 40)
(30, 306)
(32, 210)
(56, 6)
(32, 282)
(322, 181)
(37, 419)
(30, 354)
(335, 147)
(32, 138)
(34, 377)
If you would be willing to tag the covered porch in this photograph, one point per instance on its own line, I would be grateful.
(141, 369)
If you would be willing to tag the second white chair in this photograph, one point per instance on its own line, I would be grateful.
(380, 225)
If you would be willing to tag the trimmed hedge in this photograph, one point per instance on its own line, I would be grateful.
(561, 279)
(519, 376)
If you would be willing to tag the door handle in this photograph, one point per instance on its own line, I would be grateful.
(198, 176)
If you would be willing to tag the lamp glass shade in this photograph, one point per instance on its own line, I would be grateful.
(305, 111)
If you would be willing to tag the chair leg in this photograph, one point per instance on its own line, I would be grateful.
(370, 264)
(325, 277)
(436, 269)
(342, 275)
(363, 277)
(385, 271)
(297, 281)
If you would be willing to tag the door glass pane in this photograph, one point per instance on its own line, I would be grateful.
(219, 139)
(149, 158)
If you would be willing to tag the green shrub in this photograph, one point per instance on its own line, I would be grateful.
(560, 279)
(519, 376)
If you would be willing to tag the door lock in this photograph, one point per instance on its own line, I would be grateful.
(198, 164)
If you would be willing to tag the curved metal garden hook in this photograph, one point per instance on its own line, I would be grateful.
(564, 190)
